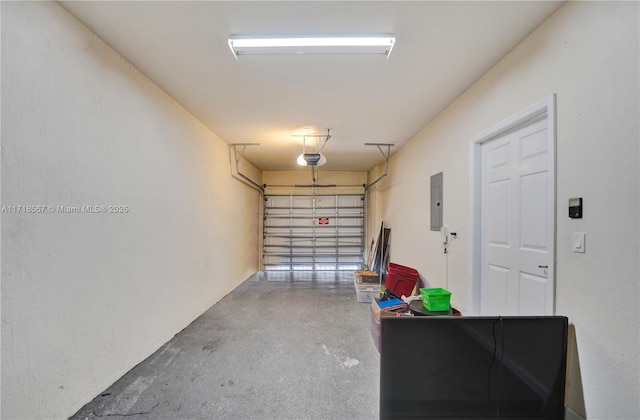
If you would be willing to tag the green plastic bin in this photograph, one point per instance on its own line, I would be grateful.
(435, 299)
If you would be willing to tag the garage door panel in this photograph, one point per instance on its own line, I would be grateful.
(313, 232)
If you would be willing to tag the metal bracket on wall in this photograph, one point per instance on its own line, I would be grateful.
(236, 157)
(386, 156)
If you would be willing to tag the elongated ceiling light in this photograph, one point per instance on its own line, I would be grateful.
(377, 44)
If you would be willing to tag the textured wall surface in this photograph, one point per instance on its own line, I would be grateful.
(133, 225)
(587, 53)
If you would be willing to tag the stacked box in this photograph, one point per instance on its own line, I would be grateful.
(401, 280)
(376, 315)
(367, 277)
(366, 292)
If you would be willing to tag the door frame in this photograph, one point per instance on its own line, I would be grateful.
(546, 106)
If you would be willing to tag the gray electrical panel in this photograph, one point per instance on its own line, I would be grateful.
(436, 202)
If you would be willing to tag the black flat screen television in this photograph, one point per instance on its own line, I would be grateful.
(473, 367)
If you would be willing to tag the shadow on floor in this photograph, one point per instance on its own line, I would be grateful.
(282, 345)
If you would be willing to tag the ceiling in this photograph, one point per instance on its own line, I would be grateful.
(441, 49)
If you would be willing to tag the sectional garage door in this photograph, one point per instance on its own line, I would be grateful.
(313, 232)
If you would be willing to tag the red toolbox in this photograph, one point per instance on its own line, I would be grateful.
(400, 280)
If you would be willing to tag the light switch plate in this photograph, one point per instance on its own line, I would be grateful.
(578, 242)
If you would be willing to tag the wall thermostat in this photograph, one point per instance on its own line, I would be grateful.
(575, 208)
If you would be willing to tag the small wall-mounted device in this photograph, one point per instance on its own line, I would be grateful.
(575, 208)
(578, 242)
(444, 234)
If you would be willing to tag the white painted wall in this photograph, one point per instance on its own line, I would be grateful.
(588, 54)
(85, 297)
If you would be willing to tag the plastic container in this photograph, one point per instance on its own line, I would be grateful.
(403, 270)
(435, 299)
(366, 292)
(400, 280)
(375, 330)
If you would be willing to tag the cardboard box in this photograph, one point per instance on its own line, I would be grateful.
(367, 277)
(378, 313)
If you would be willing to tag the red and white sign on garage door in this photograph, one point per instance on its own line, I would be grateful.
(323, 220)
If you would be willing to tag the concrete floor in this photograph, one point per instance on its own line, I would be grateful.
(280, 346)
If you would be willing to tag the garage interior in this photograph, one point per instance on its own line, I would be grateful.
(165, 255)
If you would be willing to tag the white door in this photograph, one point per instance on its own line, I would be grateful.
(518, 222)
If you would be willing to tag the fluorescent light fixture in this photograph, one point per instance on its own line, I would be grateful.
(378, 44)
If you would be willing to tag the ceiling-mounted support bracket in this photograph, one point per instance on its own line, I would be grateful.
(317, 138)
(237, 156)
(386, 154)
